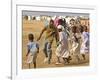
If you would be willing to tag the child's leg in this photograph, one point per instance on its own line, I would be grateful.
(49, 52)
(45, 52)
(45, 49)
(34, 64)
(34, 60)
(69, 57)
(29, 66)
(83, 55)
(66, 60)
(58, 59)
(77, 57)
(49, 57)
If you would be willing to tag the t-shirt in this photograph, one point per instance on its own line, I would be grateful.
(50, 32)
(33, 47)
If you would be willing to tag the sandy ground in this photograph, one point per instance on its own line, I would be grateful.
(35, 27)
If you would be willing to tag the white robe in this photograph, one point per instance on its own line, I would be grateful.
(85, 43)
(75, 49)
(62, 49)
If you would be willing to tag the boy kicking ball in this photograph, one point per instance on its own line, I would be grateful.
(32, 50)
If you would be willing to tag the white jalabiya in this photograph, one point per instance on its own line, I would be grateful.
(75, 49)
(85, 43)
(62, 49)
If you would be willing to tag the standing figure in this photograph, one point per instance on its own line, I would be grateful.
(75, 49)
(62, 49)
(50, 31)
(85, 42)
(32, 50)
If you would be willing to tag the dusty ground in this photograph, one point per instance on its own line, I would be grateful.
(35, 27)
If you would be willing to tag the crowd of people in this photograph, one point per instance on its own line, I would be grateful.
(73, 34)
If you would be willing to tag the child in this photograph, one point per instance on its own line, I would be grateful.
(50, 32)
(62, 49)
(85, 42)
(33, 49)
(75, 50)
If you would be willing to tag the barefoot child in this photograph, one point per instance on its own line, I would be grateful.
(62, 49)
(33, 49)
(75, 50)
(85, 42)
(50, 32)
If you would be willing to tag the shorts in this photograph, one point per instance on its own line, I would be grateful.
(31, 58)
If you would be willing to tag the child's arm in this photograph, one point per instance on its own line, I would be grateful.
(28, 50)
(41, 33)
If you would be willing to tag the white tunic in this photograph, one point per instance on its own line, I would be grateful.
(85, 43)
(75, 49)
(62, 49)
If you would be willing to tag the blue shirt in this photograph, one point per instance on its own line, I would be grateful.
(33, 47)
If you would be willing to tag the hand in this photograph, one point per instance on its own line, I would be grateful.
(26, 55)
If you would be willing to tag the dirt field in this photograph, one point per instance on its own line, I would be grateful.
(35, 27)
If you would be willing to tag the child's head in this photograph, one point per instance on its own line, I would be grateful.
(51, 22)
(85, 28)
(59, 28)
(72, 21)
(74, 29)
(60, 21)
(31, 37)
(81, 29)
